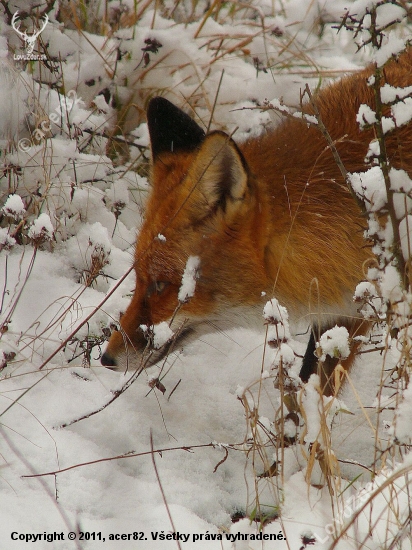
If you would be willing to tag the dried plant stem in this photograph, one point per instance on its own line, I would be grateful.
(20, 292)
(116, 394)
(332, 147)
(44, 485)
(133, 454)
(161, 488)
(206, 17)
(215, 101)
(402, 472)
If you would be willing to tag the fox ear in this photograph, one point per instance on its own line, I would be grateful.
(170, 128)
(220, 170)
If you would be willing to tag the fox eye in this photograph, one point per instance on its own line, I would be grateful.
(156, 287)
(160, 286)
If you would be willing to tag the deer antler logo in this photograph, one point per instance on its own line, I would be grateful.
(29, 39)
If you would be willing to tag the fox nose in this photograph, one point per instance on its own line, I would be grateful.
(107, 360)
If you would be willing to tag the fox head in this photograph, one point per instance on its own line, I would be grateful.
(204, 204)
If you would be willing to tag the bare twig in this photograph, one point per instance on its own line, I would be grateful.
(161, 489)
(116, 394)
(332, 147)
(132, 454)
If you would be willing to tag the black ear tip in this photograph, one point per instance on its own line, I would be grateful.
(159, 101)
(157, 106)
(170, 128)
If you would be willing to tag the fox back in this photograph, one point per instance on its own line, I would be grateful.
(271, 216)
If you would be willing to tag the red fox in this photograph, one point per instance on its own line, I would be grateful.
(268, 217)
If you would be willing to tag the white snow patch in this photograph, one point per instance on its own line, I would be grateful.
(401, 427)
(311, 403)
(41, 227)
(335, 343)
(162, 334)
(14, 207)
(285, 355)
(6, 240)
(370, 187)
(366, 116)
(394, 46)
(277, 318)
(402, 112)
(190, 274)
(390, 94)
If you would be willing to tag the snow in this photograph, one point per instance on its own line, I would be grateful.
(367, 294)
(334, 342)
(390, 94)
(394, 46)
(365, 116)
(370, 187)
(118, 193)
(41, 228)
(311, 402)
(159, 334)
(277, 317)
(14, 207)
(190, 274)
(6, 240)
(183, 431)
(162, 334)
(401, 429)
(279, 106)
(286, 354)
(402, 111)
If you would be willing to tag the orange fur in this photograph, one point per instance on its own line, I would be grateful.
(270, 215)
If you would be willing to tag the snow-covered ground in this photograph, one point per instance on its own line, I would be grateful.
(79, 209)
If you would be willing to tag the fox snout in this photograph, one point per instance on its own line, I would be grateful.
(108, 361)
(126, 345)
